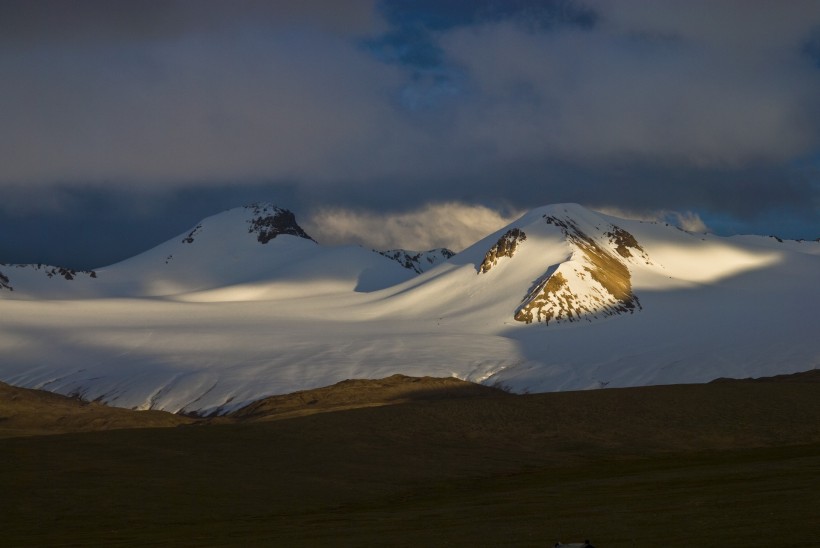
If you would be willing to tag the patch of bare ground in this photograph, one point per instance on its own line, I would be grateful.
(606, 269)
(542, 302)
(624, 242)
(25, 412)
(356, 393)
(734, 462)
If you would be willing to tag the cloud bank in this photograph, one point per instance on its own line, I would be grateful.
(181, 92)
(389, 106)
(451, 225)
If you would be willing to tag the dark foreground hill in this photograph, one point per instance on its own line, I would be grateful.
(725, 464)
(25, 412)
(357, 393)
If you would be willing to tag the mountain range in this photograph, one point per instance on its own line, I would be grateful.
(246, 305)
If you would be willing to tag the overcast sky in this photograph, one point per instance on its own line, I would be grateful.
(413, 123)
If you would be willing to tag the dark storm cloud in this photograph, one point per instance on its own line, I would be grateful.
(199, 109)
(176, 101)
(38, 23)
(710, 106)
(175, 92)
(605, 96)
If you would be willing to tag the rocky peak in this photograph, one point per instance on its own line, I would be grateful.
(268, 221)
(594, 283)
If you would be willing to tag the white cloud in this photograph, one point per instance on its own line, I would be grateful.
(451, 225)
(687, 220)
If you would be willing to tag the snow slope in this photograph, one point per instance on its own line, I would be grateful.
(563, 298)
(256, 245)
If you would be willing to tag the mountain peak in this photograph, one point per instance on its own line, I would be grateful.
(593, 282)
(269, 221)
(588, 278)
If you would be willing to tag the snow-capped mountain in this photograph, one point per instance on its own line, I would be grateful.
(563, 298)
(253, 244)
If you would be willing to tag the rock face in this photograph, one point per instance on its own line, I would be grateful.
(266, 221)
(420, 261)
(189, 239)
(269, 221)
(594, 283)
(4, 282)
(504, 247)
(625, 243)
(67, 273)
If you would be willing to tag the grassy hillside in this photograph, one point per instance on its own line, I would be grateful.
(358, 393)
(26, 412)
(730, 463)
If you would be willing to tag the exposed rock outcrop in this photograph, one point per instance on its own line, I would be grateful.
(67, 273)
(49, 271)
(420, 261)
(594, 283)
(504, 247)
(4, 282)
(625, 243)
(189, 239)
(270, 221)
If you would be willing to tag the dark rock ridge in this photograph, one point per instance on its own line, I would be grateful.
(189, 239)
(4, 282)
(67, 273)
(270, 221)
(418, 262)
(504, 247)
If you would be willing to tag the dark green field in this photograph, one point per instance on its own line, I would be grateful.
(723, 464)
